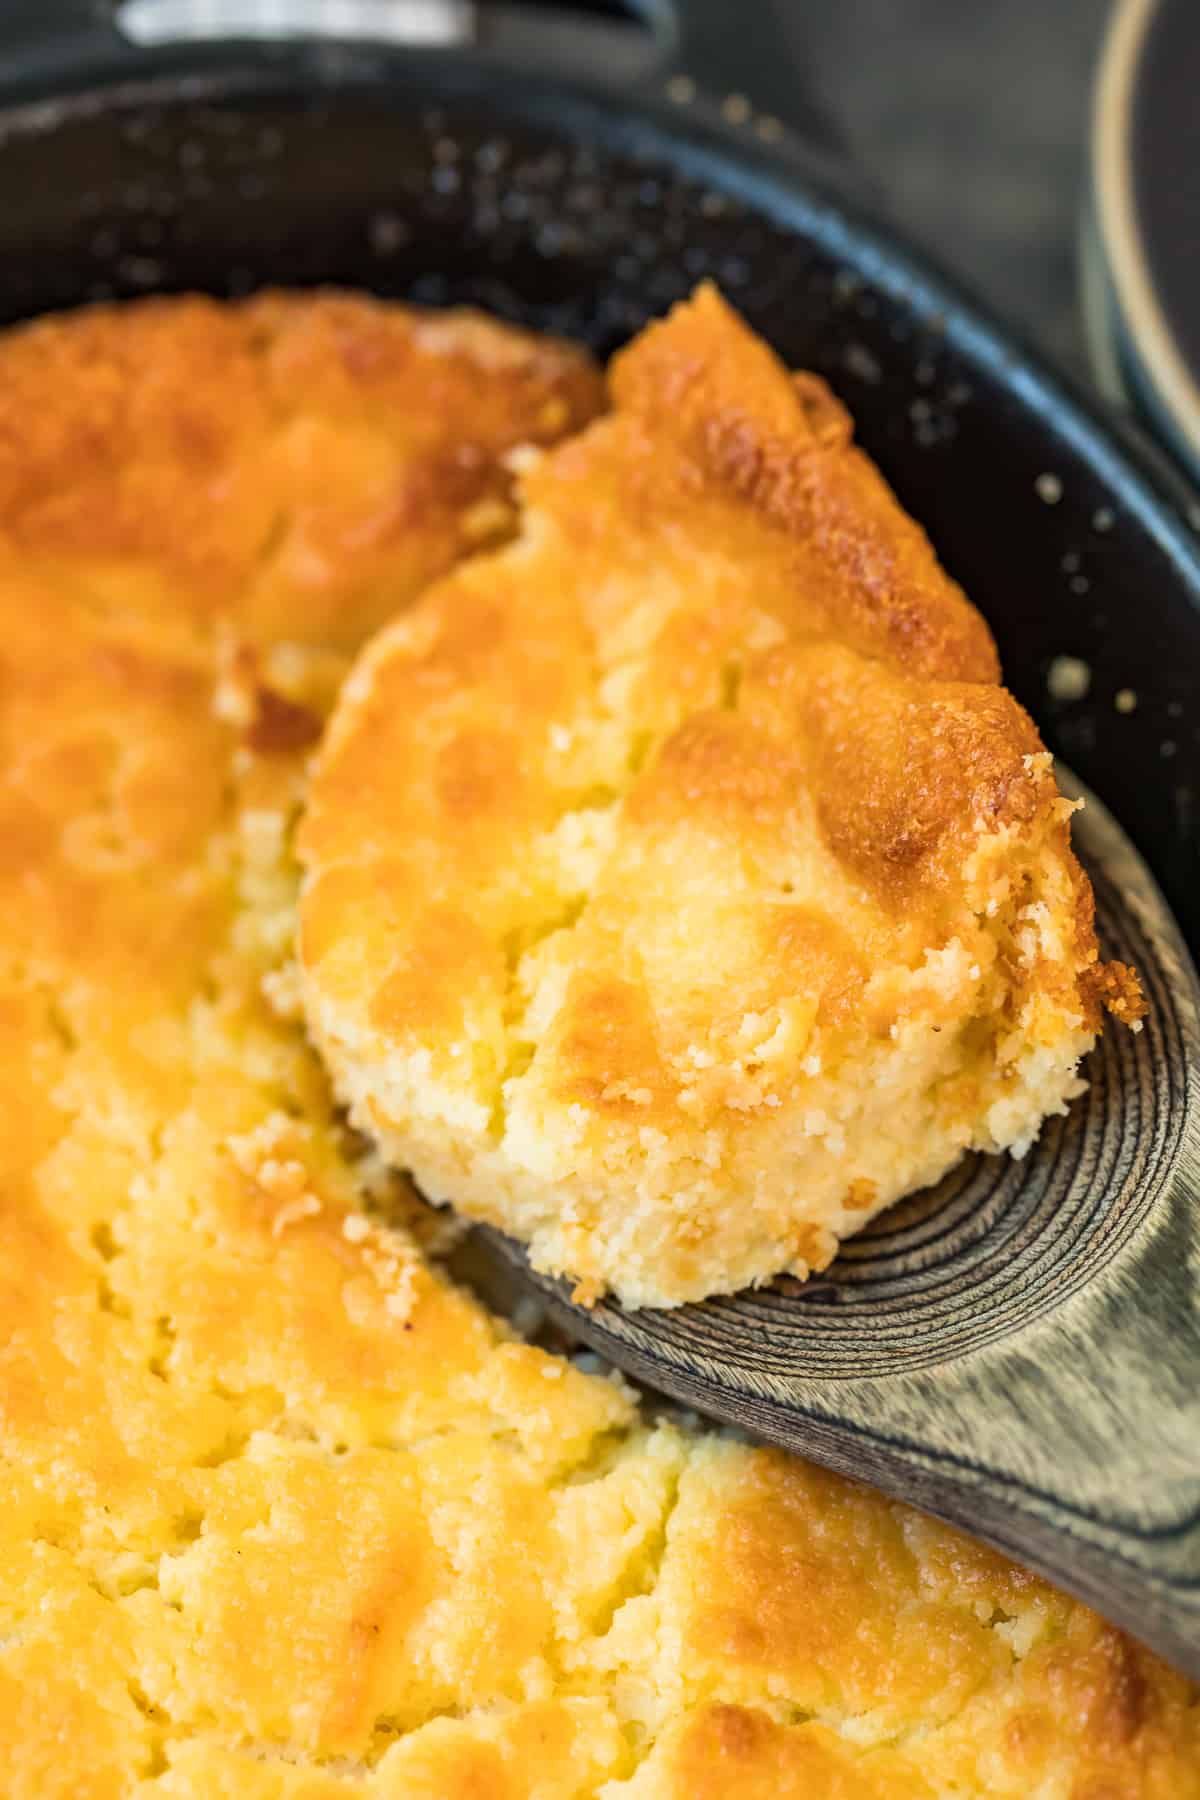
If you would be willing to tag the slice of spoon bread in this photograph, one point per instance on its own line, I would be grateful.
(682, 885)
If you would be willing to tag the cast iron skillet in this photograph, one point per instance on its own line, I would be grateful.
(1019, 1350)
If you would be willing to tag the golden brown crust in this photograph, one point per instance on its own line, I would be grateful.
(1116, 987)
(326, 453)
(283, 1515)
(776, 460)
(893, 1658)
(645, 851)
(721, 1749)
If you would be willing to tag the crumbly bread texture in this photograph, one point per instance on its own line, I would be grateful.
(682, 887)
(284, 1515)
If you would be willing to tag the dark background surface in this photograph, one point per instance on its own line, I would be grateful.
(968, 118)
(972, 117)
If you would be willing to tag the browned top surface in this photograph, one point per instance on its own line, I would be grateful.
(298, 465)
(718, 615)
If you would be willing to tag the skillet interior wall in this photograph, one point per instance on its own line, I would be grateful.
(440, 181)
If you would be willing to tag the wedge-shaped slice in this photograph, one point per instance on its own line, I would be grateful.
(682, 887)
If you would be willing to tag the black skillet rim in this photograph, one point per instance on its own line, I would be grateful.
(802, 190)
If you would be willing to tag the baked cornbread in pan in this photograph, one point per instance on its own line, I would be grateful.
(683, 887)
(283, 1514)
